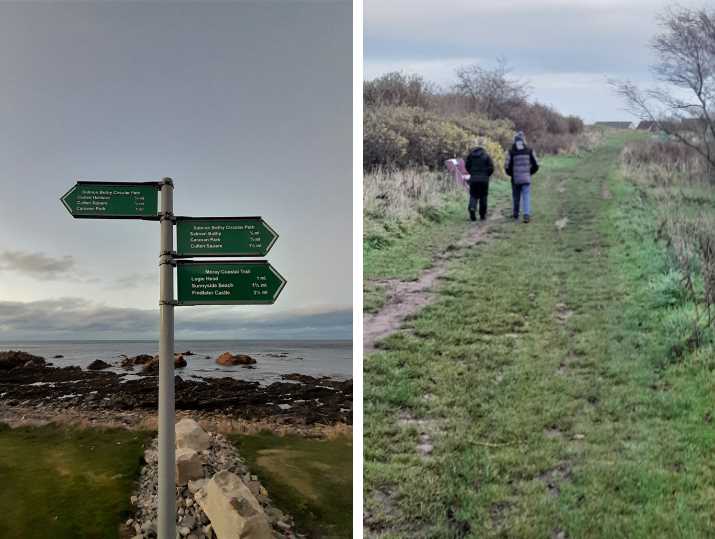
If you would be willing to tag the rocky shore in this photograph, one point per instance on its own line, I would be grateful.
(28, 381)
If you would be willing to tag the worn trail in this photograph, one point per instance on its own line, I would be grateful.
(406, 298)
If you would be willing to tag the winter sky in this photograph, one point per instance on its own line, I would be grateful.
(247, 106)
(566, 49)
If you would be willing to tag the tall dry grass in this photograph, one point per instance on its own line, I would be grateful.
(392, 193)
(681, 183)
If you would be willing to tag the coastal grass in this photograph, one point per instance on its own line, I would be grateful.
(402, 247)
(67, 483)
(308, 478)
(537, 397)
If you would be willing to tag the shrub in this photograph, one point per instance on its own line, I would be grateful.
(496, 152)
(382, 143)
(397, 89)
(502, 131)
(409, 136)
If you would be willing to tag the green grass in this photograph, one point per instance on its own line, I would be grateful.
(66, 483)
(542, 378)
(402, 249)
(310, 479)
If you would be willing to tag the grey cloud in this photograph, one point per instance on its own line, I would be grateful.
(37, 265)
(81, 319)
(566, 48)
(136, 280)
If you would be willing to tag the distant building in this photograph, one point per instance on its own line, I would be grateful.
(648, 125)
(614, 125)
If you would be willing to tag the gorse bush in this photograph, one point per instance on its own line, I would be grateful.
(403, 137)
(501, 131)
(409, 122)
(408, 136)
(496, 152)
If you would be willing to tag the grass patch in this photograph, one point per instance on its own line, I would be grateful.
(308, 478)
(67, 483)
(541, 380)
(403, 248)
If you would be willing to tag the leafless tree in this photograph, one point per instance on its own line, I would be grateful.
(491, 91)
(683, 107)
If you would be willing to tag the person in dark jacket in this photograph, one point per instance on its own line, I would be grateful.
(480, 167)
(521, 165)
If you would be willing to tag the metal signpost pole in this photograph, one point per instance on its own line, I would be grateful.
(167, 480)
(229, 282)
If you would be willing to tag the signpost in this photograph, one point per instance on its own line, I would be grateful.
(113, 200)
(253, 282)
(228, 283)
(223, 236)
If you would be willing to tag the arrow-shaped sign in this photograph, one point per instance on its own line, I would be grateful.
(227, 283)
(223, 236)
(113, 200)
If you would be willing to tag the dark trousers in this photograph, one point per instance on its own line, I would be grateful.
(478, 193)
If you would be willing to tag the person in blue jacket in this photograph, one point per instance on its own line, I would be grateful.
(521, 165)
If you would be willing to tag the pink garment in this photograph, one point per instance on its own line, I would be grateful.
(459, 172)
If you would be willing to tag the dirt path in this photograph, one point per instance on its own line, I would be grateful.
(406, 298)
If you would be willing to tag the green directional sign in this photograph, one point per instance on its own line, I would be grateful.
(227, 283)
(223, 236)
(113, 200)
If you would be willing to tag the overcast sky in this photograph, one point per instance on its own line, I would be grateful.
(565, 48)
(247, 107)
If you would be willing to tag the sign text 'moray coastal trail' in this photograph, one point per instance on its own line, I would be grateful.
(110, 200)
(223, 236)
(232, 283)
(199, 283)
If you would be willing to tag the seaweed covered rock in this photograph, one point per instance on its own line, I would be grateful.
(17, 359)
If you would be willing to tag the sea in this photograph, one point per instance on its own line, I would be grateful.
(273, 358)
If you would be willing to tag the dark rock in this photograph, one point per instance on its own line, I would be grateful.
(141, 359)
(58, 356)
(152, 366)
(228, 359)
(11, 360)
(98, 365)
(314, 400)
(304, 378)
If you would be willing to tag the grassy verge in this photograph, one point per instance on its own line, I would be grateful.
(308, 478)
(66, 483)
(403, 248)
(534, 398)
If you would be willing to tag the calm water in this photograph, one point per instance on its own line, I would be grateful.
(273, 358)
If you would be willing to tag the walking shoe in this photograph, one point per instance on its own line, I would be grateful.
(527, 219)
(516, 216)
(482, 217)
(472, 215)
